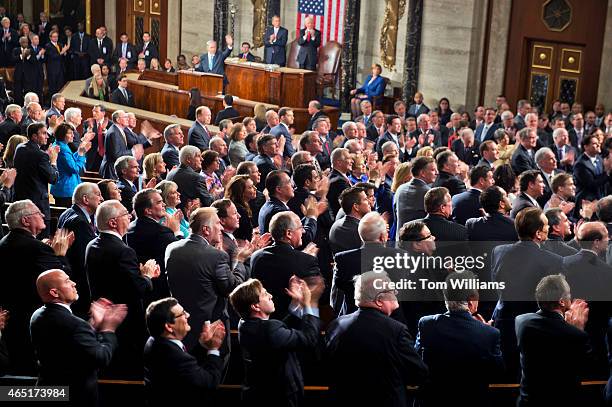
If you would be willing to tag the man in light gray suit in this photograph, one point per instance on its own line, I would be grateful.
(410, 197)
(200, 276)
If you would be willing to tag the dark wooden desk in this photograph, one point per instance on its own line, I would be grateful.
(160, 76)
(208, 83)
(285, 86)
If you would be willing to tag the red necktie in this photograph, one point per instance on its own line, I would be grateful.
(101, 149)
(308, 36)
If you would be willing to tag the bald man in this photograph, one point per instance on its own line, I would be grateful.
(310, 41)
(70, 350)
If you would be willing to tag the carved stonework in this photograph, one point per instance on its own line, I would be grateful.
(349, 52)
(394, 11)
(221, 16)
(259, 22)
(412, 55)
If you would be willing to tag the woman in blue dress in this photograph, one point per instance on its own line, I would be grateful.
(69, 165)
(374, 85)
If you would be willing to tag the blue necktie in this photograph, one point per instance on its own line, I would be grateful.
(210, 62)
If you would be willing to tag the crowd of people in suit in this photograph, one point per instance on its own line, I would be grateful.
(255, 228)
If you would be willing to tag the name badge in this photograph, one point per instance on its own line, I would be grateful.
(129, 54)
(147, 53)
(104, 50)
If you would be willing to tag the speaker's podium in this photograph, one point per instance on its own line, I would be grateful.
(210, 84)
(269, 83)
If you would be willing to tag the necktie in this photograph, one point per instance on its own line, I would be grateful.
(125, 95)
(57, 47)
(101, 149)
(597, 167)
(210, 62)
(92, 224)
(100, 45)
(124, 50)
(81, 42)
(308, 36)
(123, 135)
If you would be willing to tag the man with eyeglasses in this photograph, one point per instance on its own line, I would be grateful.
(24, 258)
(338, 181)
(386, 359)
(343, 234)
(266, 160)
(114, 272)
(168, 368)
(116, 145)
(127, 168)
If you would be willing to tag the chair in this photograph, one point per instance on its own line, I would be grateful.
(378, 102)
(294, 49)
(329, 64)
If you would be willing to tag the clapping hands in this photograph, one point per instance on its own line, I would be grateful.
(150, 269)
(212, 335)
(104, 316)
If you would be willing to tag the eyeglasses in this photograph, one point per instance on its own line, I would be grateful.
(34, 213)
(184, 313)
(384, 292)
(428, 237)
(122, 215)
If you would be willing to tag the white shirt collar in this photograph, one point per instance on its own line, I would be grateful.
(177, 343)
(64, 305)
(112, 232)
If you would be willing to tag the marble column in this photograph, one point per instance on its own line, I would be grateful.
(350, 49)
(412, 55)
(273, 9)
(221, 17)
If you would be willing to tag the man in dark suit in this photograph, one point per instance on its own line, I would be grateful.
(466, 205)
(559, 228)
(488, 153)
(495, 226)
(486, 130)
(25, 76)
(285, 116)
(36, 169)
(98, 124)
(78, 219)
(547, 164)
(149, 237)
(126, 168)
(245, 52)
(532, 187)
(466, 148)
(591, 173)
(520, 278)
(275, 40)
(122, 95)
(523, 156)
(114, 272)
(191, 183)
(174, 139)
(54, 60)
(274, 265)
(205, 297)
(315, 111)
(450, 341)
(387, 362)
(409, 197)
(79, 46)
(228, 111)
(269, 347)
(214, 60)
(147, 50)
(322, 130)
(115, 145)
(69, 349)
(393, 134)
(556, 329)
(27, 257)
(198, 134)
(447, 163)
(564, 152)
(58, 102)
(342, 162)
(522, 108)
(100, 49)
(10, 41)
(10, 126)
(343, 234)
(418, 107)
(267, 146)
(168, 368)
(309, 41)
(125, 49)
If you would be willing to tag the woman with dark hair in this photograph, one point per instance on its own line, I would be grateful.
(69, 165)
(195, 100)
(505, 149)
(109, 190)
(506, 179)
(240, 190)
(210, 166)
(444, 111)
(374, 85)
(237, 148)
(168, 66)
(251, 144)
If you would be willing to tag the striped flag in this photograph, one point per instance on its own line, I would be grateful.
(328, 16)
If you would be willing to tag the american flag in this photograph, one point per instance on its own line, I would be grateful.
(328, 16)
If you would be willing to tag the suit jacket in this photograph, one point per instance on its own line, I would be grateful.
(384, 346)
(281, 130)
(169, 369)
(105, 51)
(447, 343)
(149, 52)
(307, 55)
(34, 174)
(131, 55)
(70, 352)
(170, 156)
(589, 184)
(274, 52)
(115, 146)
(469, 155)
(94, 159)
(7, 46)
(127, 191)
(273, 374)
(76, 221)
(149, 240)
(338, 182)
(7, 129)
(201, 279)
(118, 98)
(466, 205)
(27, 258)
(490, 132)
(198, 136)
(415, 111)
(546, 378)
(265, 165)
(519, 122)
(227, 113)
(376, 88)
(218, 66)
(274, 265)
(343, 234)
(409, 202)
(564, 167)
(493, 227)
(191, 184)
(273, 206)
(522, 161)
(451, 182)
(520, 202)
(555, 244)
(314, 118)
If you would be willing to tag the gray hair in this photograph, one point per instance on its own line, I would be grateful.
(507, 114)
(371, 226)
(10, 109)
(83, 189)
(467, 130)
(216, 140)
(187, 153)
(388, 146)
(71, 112)
(169, 131)
(29, 98)
(352, 146)
(165, 187)
(455, 116)
(346, 125)
(16, 211)
(116, 114)
(529, 116)
(456, 299)
(541, 154)
(337, 153)
(365, 289)
(211, 42)
(107, 211)
(550, 290)
(122, 163)
(281, 223)
(300, 157)
(524, 133)
(558, 132)
(422, 116)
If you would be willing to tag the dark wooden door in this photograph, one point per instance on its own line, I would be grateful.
(141, 16)
(554, 72)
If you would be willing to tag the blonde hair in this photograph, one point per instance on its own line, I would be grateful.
(401, 175)
(426, 151)
(94, 86)
(150, 161)
(259, 111)
(11, 146)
